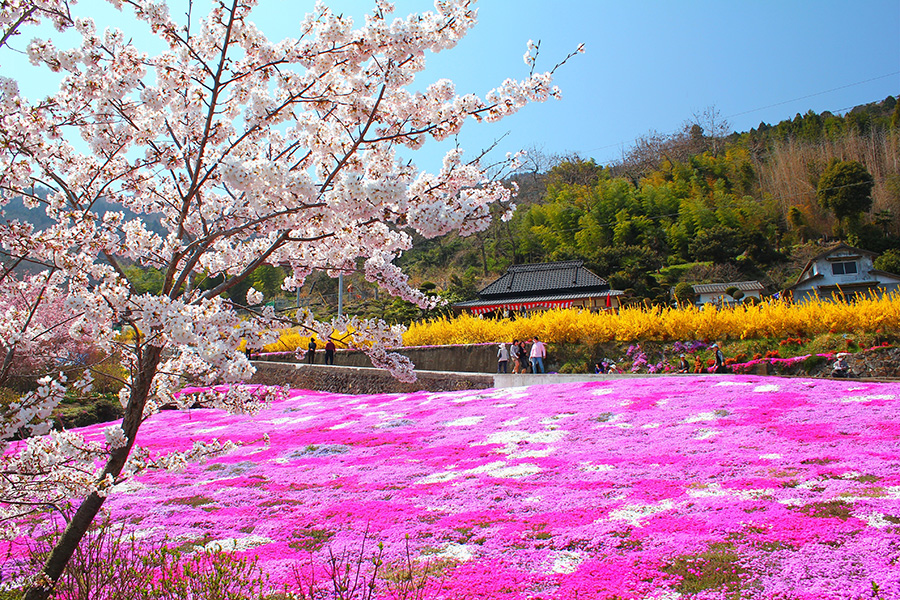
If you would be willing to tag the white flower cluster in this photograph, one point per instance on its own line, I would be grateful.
(254, 297)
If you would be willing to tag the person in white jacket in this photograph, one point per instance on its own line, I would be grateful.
(502, 358)
(538, 353)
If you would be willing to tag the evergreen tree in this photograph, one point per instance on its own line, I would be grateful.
(845, 188)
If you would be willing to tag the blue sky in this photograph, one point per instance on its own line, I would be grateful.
(649, 65)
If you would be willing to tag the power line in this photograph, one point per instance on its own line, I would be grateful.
(752, 110)
(842, 87)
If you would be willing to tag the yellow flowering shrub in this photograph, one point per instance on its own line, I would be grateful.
(765, 320)
(291, 339)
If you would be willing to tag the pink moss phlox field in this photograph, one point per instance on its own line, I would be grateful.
(630, 488)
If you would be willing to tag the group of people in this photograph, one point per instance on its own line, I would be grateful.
(311, 352)
(718, 367)
(521, 356)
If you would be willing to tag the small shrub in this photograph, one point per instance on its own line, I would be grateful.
(8, 396)
(110, 564)
(109, 377)
(813, 363)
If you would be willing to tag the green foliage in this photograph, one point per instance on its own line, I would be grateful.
(574, 171)
(267, 279)
(845, 188)
(109, 376)
(144, 279)
(731, 201)
(719, 244)
(889, 261)
(684, 293)
(87, 410)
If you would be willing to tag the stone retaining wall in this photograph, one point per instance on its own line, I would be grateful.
(360, 380)
(875, 363)
(463, 358)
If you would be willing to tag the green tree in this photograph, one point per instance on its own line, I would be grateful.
(144, 279)
(267, 279)
(684, 293)
(719, 244)
(889, 261)
(845, 188)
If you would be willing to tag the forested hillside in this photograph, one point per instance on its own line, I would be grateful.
(701, 205)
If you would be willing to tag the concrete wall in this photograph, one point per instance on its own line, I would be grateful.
(361, 380)
(468, 358)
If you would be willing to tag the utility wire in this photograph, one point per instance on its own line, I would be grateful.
(752, 110)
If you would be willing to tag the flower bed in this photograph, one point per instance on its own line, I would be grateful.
(638, 488)
(770, 319)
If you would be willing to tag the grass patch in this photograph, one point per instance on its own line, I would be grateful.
(311, 539)
(833, 509)
(193, 501)
(718, 568)
(603, 417)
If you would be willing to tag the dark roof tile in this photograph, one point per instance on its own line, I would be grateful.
(544, 278)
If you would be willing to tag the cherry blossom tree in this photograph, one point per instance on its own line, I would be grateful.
(247, 152)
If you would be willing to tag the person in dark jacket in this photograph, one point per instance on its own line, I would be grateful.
(329, 352)
(311, 352)
(720, 360)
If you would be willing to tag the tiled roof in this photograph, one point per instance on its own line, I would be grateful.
(544, 278)
(714, 288)
(546, 298)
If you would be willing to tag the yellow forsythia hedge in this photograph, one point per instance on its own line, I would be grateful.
(765, 320)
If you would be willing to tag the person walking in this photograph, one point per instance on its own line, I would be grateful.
(502, 358)
(329, 352)
(537, 355)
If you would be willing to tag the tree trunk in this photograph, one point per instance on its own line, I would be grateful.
(75, 530)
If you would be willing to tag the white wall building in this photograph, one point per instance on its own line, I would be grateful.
(715, 293)
(842, 272)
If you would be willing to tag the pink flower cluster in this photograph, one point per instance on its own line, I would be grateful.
(749, 365)
(603, 489)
